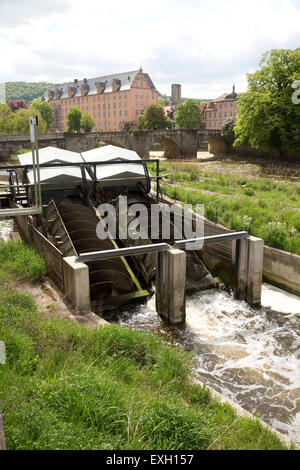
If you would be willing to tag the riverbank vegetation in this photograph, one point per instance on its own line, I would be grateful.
(66, 386)
(264, 207)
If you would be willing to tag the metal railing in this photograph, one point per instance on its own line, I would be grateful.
(158, 248)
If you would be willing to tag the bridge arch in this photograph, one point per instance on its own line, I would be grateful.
(170, 147)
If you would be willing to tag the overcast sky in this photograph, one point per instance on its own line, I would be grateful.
(204, 45)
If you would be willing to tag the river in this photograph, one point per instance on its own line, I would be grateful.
(250, 355)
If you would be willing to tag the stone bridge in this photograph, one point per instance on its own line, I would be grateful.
(181, 144)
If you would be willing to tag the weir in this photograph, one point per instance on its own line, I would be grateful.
(103, 275)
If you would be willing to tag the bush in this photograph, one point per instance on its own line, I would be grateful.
(274, 234)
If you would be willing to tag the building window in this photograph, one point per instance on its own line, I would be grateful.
(225, 114)
(120, 113)
(126, 112)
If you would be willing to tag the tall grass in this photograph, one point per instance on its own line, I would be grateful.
(65, 386)
(68, 387)
(22, 260)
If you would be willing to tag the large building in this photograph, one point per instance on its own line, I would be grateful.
(219, 110)
(112, 100)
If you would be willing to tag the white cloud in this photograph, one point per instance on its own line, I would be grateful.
(206, 47)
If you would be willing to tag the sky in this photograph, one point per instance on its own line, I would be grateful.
(204, 45)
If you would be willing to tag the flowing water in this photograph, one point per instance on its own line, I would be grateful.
(250, 355)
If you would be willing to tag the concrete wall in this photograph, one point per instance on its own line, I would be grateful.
(282, 268)
(51, 255)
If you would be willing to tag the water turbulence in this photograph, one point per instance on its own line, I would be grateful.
(250, 355)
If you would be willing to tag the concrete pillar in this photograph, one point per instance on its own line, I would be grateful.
(77, 284)
(170, 285)
(249, 255)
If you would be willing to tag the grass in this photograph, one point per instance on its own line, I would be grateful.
(264, 207)
(20, 259)
(65, 386)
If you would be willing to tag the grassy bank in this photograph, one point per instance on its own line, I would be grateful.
(66, 386)
(264, 207)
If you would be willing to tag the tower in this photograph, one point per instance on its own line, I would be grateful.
(176, 94)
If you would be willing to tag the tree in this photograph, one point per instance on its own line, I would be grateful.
(164, 101)
(6, 119)
(154, 118)
(227, 131)
(87, 122)
(17, 104)
(74, 119)
(188, 115)
(45, 109)
(267, 116)
(20, 123)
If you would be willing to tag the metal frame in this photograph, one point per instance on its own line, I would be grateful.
(85, 165)
(157, 248)
(37, 208)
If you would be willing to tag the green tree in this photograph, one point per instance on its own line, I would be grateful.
(20, 123)
(164, 101)
(74, 119)
(45, 109)
(154, 118)
(87, 122)
(227, 131)
(188, 115)
(267, 116)
(6, 119)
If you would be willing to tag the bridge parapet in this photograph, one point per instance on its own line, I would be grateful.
(176, 143)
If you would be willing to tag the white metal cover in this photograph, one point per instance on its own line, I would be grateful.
(58, 176)
(116, 175)
(51, 155)
(109, 153)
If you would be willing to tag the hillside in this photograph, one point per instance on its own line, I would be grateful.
(26, 91)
